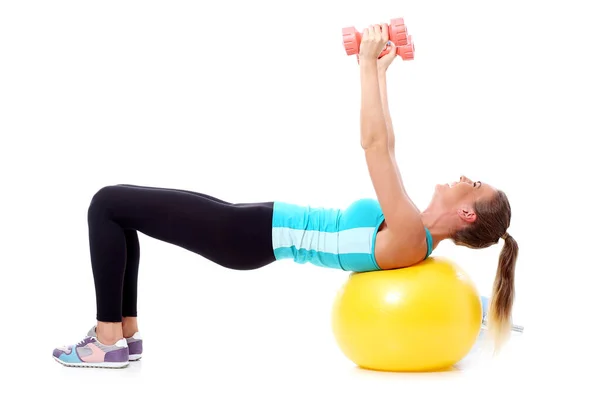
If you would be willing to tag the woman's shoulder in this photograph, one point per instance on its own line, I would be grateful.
(394, 250)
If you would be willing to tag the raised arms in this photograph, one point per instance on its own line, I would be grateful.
(377, 140)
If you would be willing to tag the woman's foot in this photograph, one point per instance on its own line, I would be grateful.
(135, 346)
(134, 342)
(132, 333)
(90, 352)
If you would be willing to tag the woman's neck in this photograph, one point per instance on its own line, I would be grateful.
(440, 224)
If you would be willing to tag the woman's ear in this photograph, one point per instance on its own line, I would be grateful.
(467, 214)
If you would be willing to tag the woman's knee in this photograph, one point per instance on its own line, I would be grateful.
(104, 199)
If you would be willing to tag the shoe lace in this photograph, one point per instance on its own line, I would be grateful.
(84, 340)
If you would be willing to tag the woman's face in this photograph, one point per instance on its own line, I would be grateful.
(462, 193)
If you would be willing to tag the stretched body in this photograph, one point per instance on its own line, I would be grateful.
(371, 234)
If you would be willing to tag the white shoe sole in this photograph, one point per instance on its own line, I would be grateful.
(94, 365)
(135, 357)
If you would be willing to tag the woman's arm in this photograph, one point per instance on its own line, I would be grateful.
(386, 108)
(373, 129)
(402, 217)
(382, 73)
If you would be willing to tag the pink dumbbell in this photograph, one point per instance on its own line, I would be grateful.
(397, 33)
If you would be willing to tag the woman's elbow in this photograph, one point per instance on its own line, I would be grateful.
(375, 143)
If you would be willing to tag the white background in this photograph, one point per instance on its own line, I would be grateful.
(257, 101)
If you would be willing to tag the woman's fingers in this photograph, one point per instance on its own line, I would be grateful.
(385, 32)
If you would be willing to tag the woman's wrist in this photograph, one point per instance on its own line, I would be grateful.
(368, 63)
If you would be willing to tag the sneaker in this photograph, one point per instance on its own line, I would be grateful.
(89, 352)
(134, 343)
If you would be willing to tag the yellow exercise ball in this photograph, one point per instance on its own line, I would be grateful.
(422, 318)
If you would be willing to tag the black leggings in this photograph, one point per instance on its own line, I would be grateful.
(236, 236)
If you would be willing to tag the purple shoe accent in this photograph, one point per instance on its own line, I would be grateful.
(135, 347)
(120, 355)
(67, 350)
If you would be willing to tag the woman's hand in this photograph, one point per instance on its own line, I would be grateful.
(384, 62)
(374, 40)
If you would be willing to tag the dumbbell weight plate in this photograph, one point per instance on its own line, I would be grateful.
(351, 39)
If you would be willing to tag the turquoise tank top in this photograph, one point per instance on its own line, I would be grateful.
(332, 238)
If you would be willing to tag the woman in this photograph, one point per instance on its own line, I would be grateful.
(386, 233)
